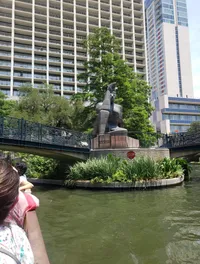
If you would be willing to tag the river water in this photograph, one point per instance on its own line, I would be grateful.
(136, 227)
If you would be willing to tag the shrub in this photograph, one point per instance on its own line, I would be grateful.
(142, 168)
(187, 168)
(170, 168)
(104, 168)
(113, 169)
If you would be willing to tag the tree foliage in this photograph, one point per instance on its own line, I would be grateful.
(106, 66)
(6, 106)
(194, 127)
(43, 106)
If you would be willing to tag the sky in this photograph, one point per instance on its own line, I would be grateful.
(194, 26)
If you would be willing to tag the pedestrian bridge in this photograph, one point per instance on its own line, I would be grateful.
(19, 135)
(182, 144)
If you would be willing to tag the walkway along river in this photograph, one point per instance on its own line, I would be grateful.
(137, 227)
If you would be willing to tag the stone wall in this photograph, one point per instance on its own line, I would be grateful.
(155, 153)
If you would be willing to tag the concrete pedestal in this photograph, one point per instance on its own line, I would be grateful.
(113, 141)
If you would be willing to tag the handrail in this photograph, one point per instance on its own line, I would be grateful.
(32, 228)
(24, 131)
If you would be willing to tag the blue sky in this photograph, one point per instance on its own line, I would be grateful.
(194, 26)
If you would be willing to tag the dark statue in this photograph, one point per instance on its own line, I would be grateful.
(109, 115)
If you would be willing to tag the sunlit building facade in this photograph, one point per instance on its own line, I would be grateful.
(169, 62)
(41, 40)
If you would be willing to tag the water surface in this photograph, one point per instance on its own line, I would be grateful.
(137, 227)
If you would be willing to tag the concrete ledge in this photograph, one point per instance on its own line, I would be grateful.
(133, 185)
(154, 153)
(46, 182)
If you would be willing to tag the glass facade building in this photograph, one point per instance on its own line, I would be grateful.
(168, 56)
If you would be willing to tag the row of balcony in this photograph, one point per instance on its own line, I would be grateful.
(93, 20)
(67, 27)
(20, 83)
(66, 43)
(93, 4)
(82, 10)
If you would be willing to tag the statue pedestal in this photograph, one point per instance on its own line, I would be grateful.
(112, 141)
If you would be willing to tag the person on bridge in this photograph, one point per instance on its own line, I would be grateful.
(14, 244)
(24, 184)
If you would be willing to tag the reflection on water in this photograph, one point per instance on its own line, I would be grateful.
(143, 227)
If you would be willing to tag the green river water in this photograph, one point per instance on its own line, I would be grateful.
(135, 227)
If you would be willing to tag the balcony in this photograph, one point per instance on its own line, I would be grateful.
(20, 17)
(54, 78)
(40, 39)
(54, 41)
(5, 15)
(54, 69)
(54, 60)
(19, 27)
(22, 65)
(6, 24)
(55, 86)
(68, 79)
(23, 36)
(42, 58)
(69, 70)
(38, 2)
(22, 74)
(68, 61)
(5, 54)
(23, 9)
(22, 55)
(4, 73)
(4, 83)
(52, 50)
(5, 34)
(40, 67)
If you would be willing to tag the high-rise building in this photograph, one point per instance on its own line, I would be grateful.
(169, 62)
(41, 40)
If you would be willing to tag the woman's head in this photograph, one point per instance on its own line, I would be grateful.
(9, 186)
(21, 168)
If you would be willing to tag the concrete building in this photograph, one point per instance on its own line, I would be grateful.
(41, 40)
(169, 63)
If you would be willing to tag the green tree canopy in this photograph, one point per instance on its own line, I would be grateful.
(6, 105)
(106, 66)
(43, 106)
(194, 127)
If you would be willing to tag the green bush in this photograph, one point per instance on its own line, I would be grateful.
(39, 167)
(104, 168)
(187, 168)
(114, 169)
(169, 168)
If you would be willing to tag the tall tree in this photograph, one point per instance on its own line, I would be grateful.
(43, 106)
(106, 66)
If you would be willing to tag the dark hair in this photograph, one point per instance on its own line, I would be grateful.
(9, 188)
(21, 168)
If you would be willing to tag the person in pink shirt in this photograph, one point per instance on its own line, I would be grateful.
(14, 244)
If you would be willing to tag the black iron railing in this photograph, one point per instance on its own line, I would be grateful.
(22, 130)
(186, 139)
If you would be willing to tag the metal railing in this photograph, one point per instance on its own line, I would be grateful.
(178, 140)
(24, 131)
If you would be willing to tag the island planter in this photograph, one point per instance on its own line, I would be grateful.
(151, 184)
